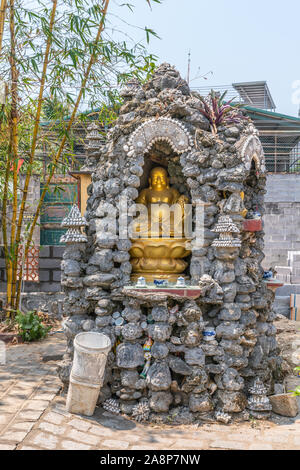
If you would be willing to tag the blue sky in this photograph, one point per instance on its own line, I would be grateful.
(238, 40)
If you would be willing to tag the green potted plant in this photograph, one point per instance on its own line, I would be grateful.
(30, 326)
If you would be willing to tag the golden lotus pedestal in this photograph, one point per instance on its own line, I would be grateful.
(159, 258)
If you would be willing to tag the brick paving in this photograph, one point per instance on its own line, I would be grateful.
(33, 416)
(27, 387)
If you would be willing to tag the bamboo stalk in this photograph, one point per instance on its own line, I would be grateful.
(34, 139)
(14, 142)
(92, 60)
(10, 159)
(4, 204)
(2, 20)
(4, 229)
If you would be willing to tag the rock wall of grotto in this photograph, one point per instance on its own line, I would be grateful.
(189, 378)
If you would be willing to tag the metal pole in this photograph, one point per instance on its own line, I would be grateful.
(189, 68)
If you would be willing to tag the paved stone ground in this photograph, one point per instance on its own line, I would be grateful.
(33, 416)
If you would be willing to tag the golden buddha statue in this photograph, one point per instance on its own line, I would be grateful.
(158, 243)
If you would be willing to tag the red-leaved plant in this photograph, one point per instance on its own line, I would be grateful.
(220, 112)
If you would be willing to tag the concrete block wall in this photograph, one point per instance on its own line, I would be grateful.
(282, 220)
(49, 271)
(283, 274)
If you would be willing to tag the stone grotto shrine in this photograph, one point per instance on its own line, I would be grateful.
(202, 347)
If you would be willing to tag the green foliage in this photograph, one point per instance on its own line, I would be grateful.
(65, 58)
(30, 326)
(73, 39)
(220, 112)
(53, 109)
(296, 392)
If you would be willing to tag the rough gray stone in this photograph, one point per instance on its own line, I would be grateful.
(121, 256)
(131, 314)
(129, 355)
(71, 267)
(99, 279)
(194, 356)
(103, 321)
(129, 378)
(230, 312)
(191, 336)
(232, 347)
(191, 312)
(210, 349)
(131, 331)
(231, 380)
(232, 402)
(227, 254)
(160, 401)
(232, 132)
(88, 325)
(229, 330)
(124, 245)
(196, 381)
(159, 350)
(159, 376)
(112, 186)
(178, 366)
(160, 313)
(229, 291)
(201, 403)
(159, 331)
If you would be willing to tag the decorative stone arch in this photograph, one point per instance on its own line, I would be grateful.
(158, 130)
(252, 150)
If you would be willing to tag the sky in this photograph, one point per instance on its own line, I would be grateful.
(237, 40)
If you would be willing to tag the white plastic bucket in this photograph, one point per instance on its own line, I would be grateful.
(90, 355)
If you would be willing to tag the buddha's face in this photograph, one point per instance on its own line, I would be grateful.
(159, 179)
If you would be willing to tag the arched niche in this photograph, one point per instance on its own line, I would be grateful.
(160, 142)
(158, 130)
(251, 150)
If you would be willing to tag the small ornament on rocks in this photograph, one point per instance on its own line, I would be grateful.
(147, 355)
(73, 222)
(112, 406)
(258, 402)
(141, 411)
(225, 227)
(141, 282)
(209, 334)
(180, 282)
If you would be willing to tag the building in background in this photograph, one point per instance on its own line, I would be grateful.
(280, 137)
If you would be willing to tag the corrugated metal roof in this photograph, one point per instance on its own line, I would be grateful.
(255, 94)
